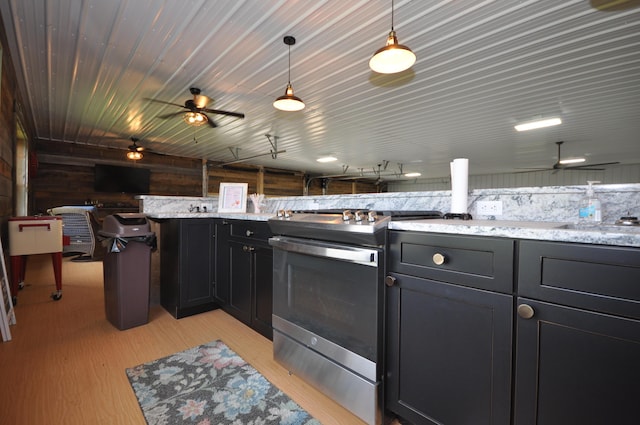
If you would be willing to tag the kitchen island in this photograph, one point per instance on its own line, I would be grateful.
(535, 230)
(525, 321)
(512, 322)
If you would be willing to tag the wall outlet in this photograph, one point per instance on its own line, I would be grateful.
(489, 207)
(206, 207)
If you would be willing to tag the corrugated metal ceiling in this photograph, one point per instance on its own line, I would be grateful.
(88, 67)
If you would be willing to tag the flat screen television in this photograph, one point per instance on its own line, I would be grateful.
(113, 178)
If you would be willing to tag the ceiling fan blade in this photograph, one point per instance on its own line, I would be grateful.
(212, 124)
(221, 112)
(163, 102)
(532, 170)
(170, 115)
(585, 166)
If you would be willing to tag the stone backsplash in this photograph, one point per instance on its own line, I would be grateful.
(553, 203)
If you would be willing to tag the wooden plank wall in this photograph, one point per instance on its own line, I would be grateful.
(8, 106)
(66, 173)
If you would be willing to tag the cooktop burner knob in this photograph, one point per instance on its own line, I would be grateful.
(358, 216)
(346, 215)
(372, 216)
(287, 213)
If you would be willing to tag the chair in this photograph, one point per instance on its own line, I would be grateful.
(80, 227)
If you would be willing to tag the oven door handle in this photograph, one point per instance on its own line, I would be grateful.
(364, 256)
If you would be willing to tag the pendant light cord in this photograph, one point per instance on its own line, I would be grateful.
(289, 64)
(391, 15)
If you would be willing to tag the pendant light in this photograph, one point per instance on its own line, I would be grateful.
(393, 57)
(289, 102)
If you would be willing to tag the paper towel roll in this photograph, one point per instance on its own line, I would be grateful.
(459, 185)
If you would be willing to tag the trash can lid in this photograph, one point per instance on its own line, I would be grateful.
(125, 225)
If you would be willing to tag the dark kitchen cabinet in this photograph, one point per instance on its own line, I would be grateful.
(578, 335)
(247, 277)
(449, 328)
(188, 265)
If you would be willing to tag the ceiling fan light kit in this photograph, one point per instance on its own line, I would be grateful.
(393, 57)
(195, 118)
(289, 102)
(134, 155)
(532, 125)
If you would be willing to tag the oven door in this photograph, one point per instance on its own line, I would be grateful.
(333, 291)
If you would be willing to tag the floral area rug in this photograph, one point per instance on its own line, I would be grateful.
(210, 385)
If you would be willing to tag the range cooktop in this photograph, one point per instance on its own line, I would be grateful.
(342, 225)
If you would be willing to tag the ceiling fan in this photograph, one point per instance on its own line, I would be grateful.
(565, 164)
(135, 147)
(135, 150)
(196, 110)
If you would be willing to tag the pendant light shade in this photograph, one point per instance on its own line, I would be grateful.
(289, 102)
(393, 57)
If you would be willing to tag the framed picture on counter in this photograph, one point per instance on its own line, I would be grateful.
(233, 197)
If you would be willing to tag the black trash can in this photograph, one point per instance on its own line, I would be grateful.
(127, 268)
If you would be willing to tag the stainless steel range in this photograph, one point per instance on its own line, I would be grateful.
(328, 302)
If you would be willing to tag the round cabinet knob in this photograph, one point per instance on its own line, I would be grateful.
(389, 281)
(248, 233)
(438, 259)
(525, 311)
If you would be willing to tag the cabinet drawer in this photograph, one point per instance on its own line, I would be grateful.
(599, 278)
(478, 262)
(250, 229)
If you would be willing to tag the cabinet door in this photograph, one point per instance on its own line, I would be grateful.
(239, 304)
(197, 249)
(575, 366)
(263, 281)
(449, 353)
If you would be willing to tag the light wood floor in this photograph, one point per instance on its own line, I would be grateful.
(66, 362)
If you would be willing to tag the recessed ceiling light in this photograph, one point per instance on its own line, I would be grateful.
(413, 174)
(328, 158)
(538, 124)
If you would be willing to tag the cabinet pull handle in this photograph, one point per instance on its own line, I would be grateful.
(248, 233)
(525, 311)
(246, 248)
(389, 281)
(438, 259)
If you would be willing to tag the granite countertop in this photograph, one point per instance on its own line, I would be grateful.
(538, 230)
(234, 216)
